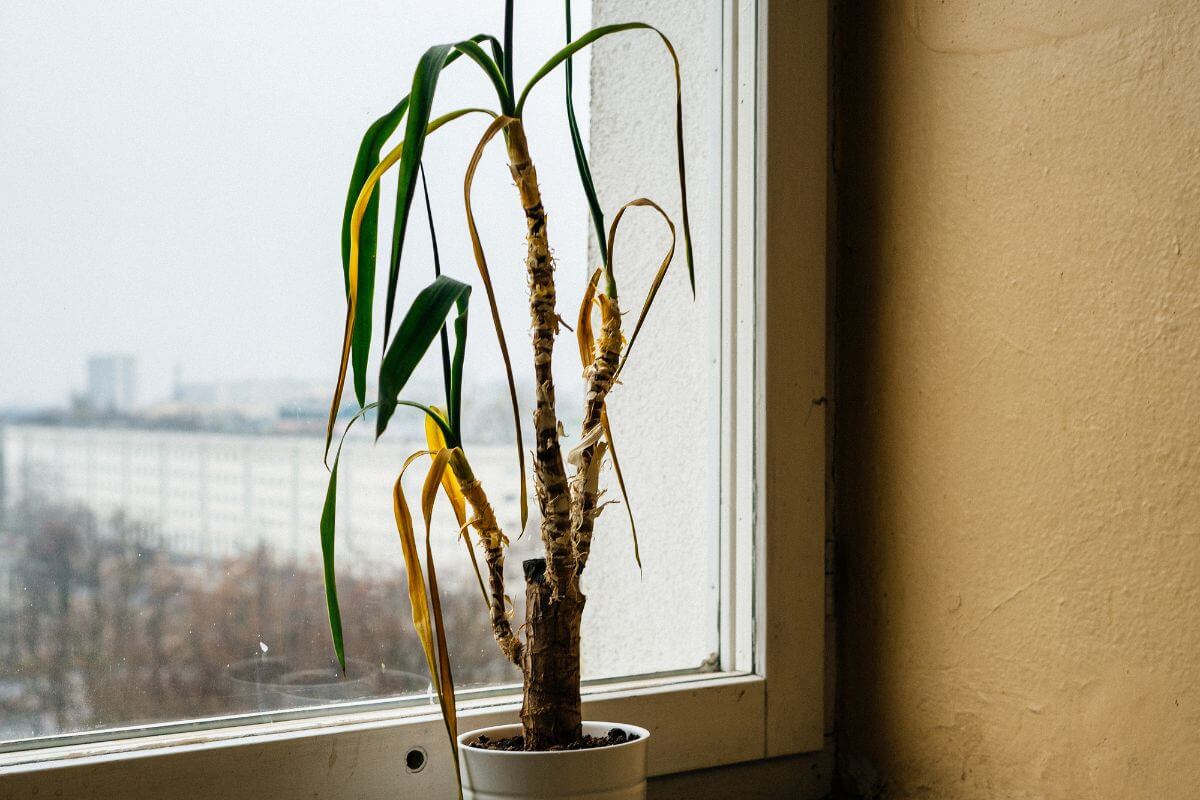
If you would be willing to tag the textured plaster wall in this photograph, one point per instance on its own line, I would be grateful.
(665, 412)
(1018, 398)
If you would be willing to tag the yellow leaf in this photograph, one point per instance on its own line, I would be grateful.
(498, 124)
(418, 598)
(583, 329)
(437, 441)
(658, 276)
(430, 628)
(612, 451)
(446, 696)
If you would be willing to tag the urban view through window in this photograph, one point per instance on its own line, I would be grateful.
(170, 204)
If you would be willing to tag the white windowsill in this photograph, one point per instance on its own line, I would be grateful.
(695, 722)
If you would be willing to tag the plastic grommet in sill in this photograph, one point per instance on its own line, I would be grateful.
(415, 760)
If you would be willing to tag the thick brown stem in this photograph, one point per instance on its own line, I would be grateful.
(550, 478)
(493, 548)
(550, 711)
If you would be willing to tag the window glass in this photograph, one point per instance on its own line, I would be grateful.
(172, 178)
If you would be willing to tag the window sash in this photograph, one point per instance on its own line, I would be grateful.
(772, 480)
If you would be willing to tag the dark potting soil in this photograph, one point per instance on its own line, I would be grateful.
(517, 743)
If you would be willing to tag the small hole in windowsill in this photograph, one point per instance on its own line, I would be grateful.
(415, 760)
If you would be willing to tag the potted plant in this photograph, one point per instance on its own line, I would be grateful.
(553, 752)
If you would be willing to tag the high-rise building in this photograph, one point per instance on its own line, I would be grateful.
(111, 383)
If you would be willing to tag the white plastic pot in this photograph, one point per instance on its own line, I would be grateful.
(617, 772)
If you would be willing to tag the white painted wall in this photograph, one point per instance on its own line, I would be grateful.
(665, 413)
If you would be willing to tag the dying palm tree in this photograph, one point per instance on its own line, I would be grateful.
(548, 654)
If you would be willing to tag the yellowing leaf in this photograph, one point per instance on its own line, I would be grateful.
(430, 628)
(418, 598)
(583, 328)
(356, 220)
(499, 124)
(658, 277)
(436, 440)
(428, 498)
(612, 451)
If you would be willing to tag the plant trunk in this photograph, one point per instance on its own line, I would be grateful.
(493, 542)
(550, 476)
(550, 710)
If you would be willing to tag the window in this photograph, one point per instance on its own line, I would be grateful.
(159, 524)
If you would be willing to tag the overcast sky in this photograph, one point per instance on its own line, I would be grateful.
(172, 176)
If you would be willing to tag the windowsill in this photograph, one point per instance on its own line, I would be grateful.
(696, 722)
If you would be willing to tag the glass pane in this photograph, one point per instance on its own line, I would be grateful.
(172, 178)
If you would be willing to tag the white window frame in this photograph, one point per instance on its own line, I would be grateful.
(768, 698)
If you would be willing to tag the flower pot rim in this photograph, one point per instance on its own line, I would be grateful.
(511, 728)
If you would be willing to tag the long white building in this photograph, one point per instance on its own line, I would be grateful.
(215, 495)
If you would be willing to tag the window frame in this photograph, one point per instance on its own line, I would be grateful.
(769, 693)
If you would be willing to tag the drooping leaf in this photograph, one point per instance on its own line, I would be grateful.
(456, 373)
(328, 534)
(446, 697)
(432, 416)
(587, 354)
(658, 276)
(581, 159)
(587, 39)
(417, 331)
(612, 451)
(418, 595)
(364, 164)
(420, 105)
(352, 272)
(437, 441)
(328, 523)
(443, 335)
(497, 125)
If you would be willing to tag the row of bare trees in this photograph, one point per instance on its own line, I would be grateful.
(101, 626)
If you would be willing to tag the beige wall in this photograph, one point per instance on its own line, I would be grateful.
(1018, 398)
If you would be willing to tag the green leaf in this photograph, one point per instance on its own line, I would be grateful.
(492, 69)
(581, 161)
(433, 414)
(328, 525)
(424, 86)
(456, 369)
(364, 163)
(508, 45)
(420, 104)
(586, 40)
(352, 273)
(366, 160)
(417, 331)
(328, 516)
(443, 336)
